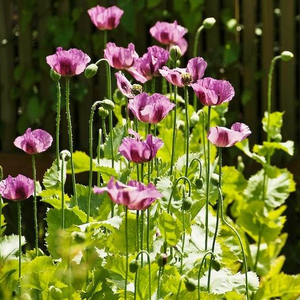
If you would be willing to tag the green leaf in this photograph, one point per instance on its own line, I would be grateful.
(52, 177)
(9, 245)
(275, 123)
(244, 146)
(116, 135)
(269, 148)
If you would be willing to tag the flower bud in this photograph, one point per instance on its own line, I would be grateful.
(103, 112)
(108, 104)
(278, 137)
(79, 237)
(186, 203)
(54, 76)
(215, 179)
(133, 266)
(240, 164)
(186, 78)
(199, 183)
(194, 119)
(209, 23)
(91, 70)
(25, 296)
(162, 259)
(175, 53)
(136, 89)
(65, 155)
(190, 284)
(55, 293)
(286, 55)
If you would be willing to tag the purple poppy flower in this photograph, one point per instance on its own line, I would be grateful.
(224, 137)
(138, 151)
(170, 34)
(213, 92)
(149, 65)
(105, 18)
(124, 85)
(16, 188)
(68, 62)
(33, 142)
(135, 195)
(185, 76)
(118, 57)
(150, 109)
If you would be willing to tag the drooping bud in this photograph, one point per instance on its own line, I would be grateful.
(65, 155)
(190, 284)
(209, 23)
(162, 259)
(55, 293)
(199, 183)
(186, 203)
(79, 237)
(194, 119)
(175, 53)
(186, 78)
(286, 55)
(108, 104)
(91, 70)
(133, 266)
(136, 89)
(103, 112)
(54, 76)
(215, 179)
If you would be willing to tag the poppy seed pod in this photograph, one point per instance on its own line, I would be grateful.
(136, 89)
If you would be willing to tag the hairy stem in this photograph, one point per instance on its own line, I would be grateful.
(58, 121)
(36, 229)
(174, 131)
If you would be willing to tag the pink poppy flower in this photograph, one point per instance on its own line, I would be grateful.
(135, 195)
(138, 151)
(170, 34)
(150, 109)
(33, 142)
(224, 137)
(213, 92)
(105, 18)
(68, 62)
(16, 188)
(118, 57)
(124, 85)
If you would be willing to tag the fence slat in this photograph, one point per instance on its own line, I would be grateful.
(8, 106)
(287, 74)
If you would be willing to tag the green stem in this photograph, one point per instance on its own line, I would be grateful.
(174, 131)
(183, 241)
(217, 219)
(187, 126)
(126, 245)
(179, 288)
(158, 283)
(258, 247)
(1, 205)
(36, 229)
(142, 234)
(201, 265)
(70, 136)
(58, 121)
(91, 158)
(62, 193)
(104, 127)
(137, 230)
(240, 241)
(207, 182)
(20, 245)
(203, 134)
(100, 141)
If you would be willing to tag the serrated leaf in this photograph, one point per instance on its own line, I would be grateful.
(52, 177)
(116, 135)
(275, 123)
(268, 148)
(9, 245)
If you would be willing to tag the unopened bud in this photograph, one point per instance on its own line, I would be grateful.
(240, 164)
(190, 284)
(55, 293)
(91, 70)
(186, 78)
(278, 137)
(65, 155)
(286, 55)
(194, 118)
(162, 259)
(209, 23)
(175, 53)
(103, 112)
(54, 75)
(136, 89)
(215, 179)
(133, 266)
(79, 237)
(186, 203)
(108, 104)
(199, 183)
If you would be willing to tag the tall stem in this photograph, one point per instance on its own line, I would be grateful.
(217, 218)
(20, 244)
(58, 90)
(70, 136)
(207, 182)
(62, 193)
(126, 245)
(36, 229)
(100, 141)
(258, 246)
(183, 241)
(187, 126)
(174, 130)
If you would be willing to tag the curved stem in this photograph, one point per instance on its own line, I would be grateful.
(104, 127)
(70, 136)
(126, 245)
(174, 131)
(100, 141)
(201, 265)
(91, 158)
(207, 181)
(174, 186)
(217, 218)
(187, 126)
(199, 163)
(36, 229)
(58, 121)
(20, 244)
(149, 272)
(240, 241)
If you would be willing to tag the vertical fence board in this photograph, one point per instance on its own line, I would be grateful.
(287, 74)
(8, 106)
(249, 64)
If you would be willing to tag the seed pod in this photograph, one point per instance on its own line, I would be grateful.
(54, 76)
(186, 78)
(133, 266)
(136, 89)
(91, 70)
(108, 104)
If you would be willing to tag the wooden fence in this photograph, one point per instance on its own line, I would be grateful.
(264, 29)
